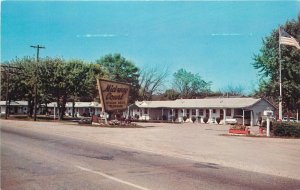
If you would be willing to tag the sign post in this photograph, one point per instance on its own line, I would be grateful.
(268, 113)
(113, 95)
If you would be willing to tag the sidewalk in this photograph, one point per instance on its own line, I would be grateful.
(198, 142)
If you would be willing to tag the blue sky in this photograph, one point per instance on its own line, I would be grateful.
(215, 39)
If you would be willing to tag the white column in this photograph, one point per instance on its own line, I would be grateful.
(243, 117)
(197, 113)
(224, 116)
(251, 114)
(210, 116)
(162, 113)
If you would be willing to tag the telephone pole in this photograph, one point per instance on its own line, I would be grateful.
(38, 47)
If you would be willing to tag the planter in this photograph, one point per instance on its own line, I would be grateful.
(238, 131)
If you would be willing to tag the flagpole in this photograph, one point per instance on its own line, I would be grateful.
(280, 82)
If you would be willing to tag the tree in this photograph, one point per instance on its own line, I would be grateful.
(232, 90)
(117, 68)
(171, 94)
(267, 64)
(21, 84)
(189, 84)
(152, 79)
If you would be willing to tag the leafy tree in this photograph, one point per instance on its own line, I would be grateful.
(189, 84)
(232, 90)
(20, 82)
(171, 94)
(267, 64)
(152, 79)
(117, 68)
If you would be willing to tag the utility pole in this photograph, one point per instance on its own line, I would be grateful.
(38, 47)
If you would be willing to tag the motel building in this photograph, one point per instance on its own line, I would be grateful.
(80, 108)
(246, 111)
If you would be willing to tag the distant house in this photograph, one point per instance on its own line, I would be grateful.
(81, 108)
(16, 107)
(244, 110)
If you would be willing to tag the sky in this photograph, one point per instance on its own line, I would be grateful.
(216, 39)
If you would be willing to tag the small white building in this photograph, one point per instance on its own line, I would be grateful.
(16, 107)
(245, 110)
(81, 108)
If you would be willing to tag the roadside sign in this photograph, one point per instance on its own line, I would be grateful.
(113, 95)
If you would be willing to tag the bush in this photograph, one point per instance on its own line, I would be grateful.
(184, 118)
(164, 117)
(174, 118)
(205, 119)
(286, 129)
(193, 119)
(218, 120)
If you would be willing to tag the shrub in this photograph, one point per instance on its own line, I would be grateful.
(174, 118)
(287, 129)
(193, 119)
(218, 120)
(184, 118)
(205, 119)
(164, 117)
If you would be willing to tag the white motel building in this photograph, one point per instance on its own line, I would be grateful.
(243, 110)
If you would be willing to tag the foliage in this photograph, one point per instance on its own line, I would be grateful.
(239, 127)
(193, 119)
(205, 119)
(287, 129)
(174, 118)
(151, 81)
(189, 84)
(267, 63)
(232, 90)
(218, 119)
(184, 118)
(117, 68)
(171, 94)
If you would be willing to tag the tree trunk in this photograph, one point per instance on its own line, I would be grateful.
(73, 108)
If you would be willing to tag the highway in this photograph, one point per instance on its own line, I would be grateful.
(40, 161)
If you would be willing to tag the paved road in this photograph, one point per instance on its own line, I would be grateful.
(32, 160)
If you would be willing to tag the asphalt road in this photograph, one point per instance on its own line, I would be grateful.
(31, 160)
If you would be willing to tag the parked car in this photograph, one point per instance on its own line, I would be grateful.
(291, 119)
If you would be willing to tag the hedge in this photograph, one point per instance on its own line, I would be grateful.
(286, 129)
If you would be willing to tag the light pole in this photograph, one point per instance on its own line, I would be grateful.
(38, 47)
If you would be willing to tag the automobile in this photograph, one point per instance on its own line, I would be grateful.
(291, 119)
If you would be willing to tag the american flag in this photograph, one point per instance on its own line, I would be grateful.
(286, 39)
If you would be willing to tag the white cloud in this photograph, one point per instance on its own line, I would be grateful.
(100, 35)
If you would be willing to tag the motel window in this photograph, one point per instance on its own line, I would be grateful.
(214, 110)
(207, 113)
(193, 112)
(228, 112)
(146, 111)
(201, 112)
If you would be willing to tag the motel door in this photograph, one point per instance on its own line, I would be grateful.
(221, 114)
